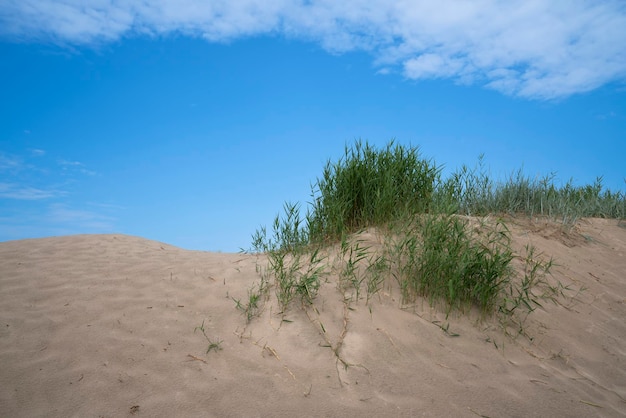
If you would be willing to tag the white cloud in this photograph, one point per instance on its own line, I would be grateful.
(530, 48)
(432, 66)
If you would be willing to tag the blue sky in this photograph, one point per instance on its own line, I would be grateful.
(191, 122)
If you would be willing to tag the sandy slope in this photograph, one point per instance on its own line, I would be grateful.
(103, 325)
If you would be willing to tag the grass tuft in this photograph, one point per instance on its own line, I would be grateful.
(439, 257)
(369, 187)
(215, 345)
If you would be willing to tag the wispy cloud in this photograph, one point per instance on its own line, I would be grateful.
(10, 162)
(22, 192)
(75, 166)
(608, 116)
(31, 176)
(40, 196)
(55, 219)
(79, 219)
(530, 48)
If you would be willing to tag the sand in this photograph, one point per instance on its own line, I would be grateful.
(106, 326)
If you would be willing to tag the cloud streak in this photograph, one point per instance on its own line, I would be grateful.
(55, 219)
(22, 192)
(37, 178)
(528, 48)
(10, 163)
(75, 166)
(41, 196)
(79, 219)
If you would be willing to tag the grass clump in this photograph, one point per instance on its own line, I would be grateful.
(435, 245)
(256, 296)
(352, 257)
(296, 274)
(369, 187)
(439, 257)
(520, 300)
(474, 192)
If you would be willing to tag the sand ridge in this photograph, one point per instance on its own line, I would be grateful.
(107, 326)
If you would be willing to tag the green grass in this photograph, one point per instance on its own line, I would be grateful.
(369, 187)
(443, 239)
(256, 297)
(440, 257)
(473, 192)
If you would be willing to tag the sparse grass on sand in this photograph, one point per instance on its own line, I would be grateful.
(443, 239)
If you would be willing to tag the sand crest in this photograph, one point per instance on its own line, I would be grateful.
(108, 326)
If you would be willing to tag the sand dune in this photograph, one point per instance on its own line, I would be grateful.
(106, 326)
